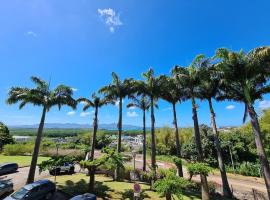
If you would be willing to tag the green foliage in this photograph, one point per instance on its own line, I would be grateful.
(171, 185)
(55, 162)
(19, 149)
(246, 169)
(177, 161)
(199, 168)
(5, 137)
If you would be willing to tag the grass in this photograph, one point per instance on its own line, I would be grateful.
(106, 188)
(23, 161)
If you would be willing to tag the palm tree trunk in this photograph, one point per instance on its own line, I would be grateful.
(153, 141)
(204, 185)
(117, 171)
(260, 149)
(225, 184)
(144, 142)
(92, 170)
(32, 170)
(177, 141)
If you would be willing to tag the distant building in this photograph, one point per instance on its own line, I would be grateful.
(22, 138)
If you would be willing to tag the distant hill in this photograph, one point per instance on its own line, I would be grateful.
(112, 126)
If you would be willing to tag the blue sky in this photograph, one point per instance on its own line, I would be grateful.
(79, 43)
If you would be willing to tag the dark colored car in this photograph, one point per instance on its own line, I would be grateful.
(86, 196)
(67, 168)
(6, 187)
(7, 168)
(42, 189)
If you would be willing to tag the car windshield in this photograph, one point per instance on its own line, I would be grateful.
(2, 186)
(20, 193)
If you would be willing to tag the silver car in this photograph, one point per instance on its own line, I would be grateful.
(6, 187)
(86, 196)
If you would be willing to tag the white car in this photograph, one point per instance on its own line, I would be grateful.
(86, 196)
(6, 187)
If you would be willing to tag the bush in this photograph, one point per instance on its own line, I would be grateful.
(199, 168)
(246, 169)
(19, 149)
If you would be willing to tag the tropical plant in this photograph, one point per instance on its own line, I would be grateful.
(173, 93)
(41, 95)
(115, 93)
(198, 168)
(244, 78)
(171, 185)
(189, 79)
(150, 87)
(142, 102)
(5, 137)
(96, 102)
(208, 89)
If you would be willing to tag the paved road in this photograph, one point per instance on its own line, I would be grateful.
(19, 179)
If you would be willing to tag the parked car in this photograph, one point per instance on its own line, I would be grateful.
(6, 187)
(86, 196)
(7, 168)
(42, 189)
(67, 168)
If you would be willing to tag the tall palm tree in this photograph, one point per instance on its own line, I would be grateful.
(42, 96)
(189, 78)
(96, 102)
(208, 90)
(142, 102)
(172, 93)
(151, 87)
(115, 93)
(245, 78)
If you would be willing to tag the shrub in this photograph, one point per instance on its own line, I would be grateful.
(198, 168)
(171, 185)
(19, 149)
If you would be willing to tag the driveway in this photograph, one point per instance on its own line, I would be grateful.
(19, 179)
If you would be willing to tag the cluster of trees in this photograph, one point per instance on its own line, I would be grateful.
(5, 137)
(229, 75)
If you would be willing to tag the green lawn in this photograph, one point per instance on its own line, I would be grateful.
(22, 161)
(106, 188)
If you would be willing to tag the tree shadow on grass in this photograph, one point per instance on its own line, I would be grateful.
(129, 194)
(81, 187)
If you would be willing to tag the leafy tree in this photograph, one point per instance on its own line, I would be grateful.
(198, 168)
(115, 93)
(171, 185)
(172, 93)
(5, 137)
(144, 104)
(42, 96)
(151, 88)
(189, 79)
(245, 78)
(208, 90)
(96, 102)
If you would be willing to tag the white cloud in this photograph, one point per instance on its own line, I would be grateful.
(74, 89)
(166, 109)
(230, 107)
(70, 113)
(84, 114)
(83, 103)
(31, 33)
(264, 104)
(132, 108)
(110, 18)
(117, 102)
(132, 114)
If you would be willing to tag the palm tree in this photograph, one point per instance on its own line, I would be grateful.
(151, 88)
(41, 95)
(189, 79)
(172, 93)
(144, 104)
(245, 78)
(115, 93)
(95, 103)
(208, 89)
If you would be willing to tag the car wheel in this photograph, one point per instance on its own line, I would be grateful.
(49, 196)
